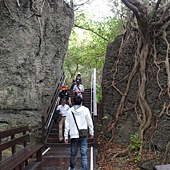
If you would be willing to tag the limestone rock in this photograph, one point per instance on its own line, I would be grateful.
(33, 42)
(157, 135)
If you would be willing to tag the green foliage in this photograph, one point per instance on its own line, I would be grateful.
(135, 146)
(99, 124)
(105, 117)
(99, 93)
(87, 47)
(104, 137)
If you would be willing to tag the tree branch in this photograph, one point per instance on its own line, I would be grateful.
(160, 22)
(157, 5)
(79, 5)
(131, 6)
(88, 29)
(165, 12)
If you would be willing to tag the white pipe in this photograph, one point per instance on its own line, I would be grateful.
(91, 102)
(94, 94)
(46, 151)
(91, 160)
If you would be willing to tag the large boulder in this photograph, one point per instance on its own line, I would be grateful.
(117, 68)
(33, 42)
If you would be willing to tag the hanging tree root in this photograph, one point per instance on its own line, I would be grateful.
(120, 153)
(166, 153)
(113, 123)
(145, 45)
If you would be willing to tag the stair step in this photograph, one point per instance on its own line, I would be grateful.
(55, 131)
(57, 145)
(63, 145)
(53, 136)
(53, 140)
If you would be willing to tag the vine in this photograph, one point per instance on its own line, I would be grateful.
(149, 28)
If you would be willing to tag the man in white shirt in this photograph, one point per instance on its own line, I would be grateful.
(78, 89)
(63, 108)
(84, 121)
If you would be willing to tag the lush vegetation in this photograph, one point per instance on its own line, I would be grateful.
(87, 47)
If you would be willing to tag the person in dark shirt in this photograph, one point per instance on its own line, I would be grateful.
(72, 84)
(64, 94)
(78, 77)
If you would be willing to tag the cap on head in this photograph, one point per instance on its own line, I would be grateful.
(63, 100)
(64, 88)
(79, 73)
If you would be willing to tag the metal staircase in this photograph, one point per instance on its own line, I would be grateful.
(58, 154)
(53, 140)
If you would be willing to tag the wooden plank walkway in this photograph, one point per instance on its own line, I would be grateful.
(59, 159)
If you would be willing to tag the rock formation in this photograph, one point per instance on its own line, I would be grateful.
(117, 68)
(34, 38)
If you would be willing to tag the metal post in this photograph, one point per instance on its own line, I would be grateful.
(43, 130)
(95, 108)
(94, 94)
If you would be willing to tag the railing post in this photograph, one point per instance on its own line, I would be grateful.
(43, 130)
(0, 152)
(95, 108)
(13, 147)
(94, 93)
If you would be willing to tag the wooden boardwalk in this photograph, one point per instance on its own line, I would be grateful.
(58, 159)
(58, 156)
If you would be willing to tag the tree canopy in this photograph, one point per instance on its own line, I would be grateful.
(88, 43)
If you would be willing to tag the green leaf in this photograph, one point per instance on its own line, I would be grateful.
(105, 117)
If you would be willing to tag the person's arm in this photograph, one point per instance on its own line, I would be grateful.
(69, 100)
(59, 98)
(67, 126)
(82, 89)
(75, 90)
(58, 108)
(90, 123)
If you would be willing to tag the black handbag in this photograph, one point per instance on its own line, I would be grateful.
(83, 133)
(57, 116)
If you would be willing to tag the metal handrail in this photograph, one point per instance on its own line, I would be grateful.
(54, 108)
(48, 114)
(91, 101)
(49, 122)
(94, 93)
(94, 107)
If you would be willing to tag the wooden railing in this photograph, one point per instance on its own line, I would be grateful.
(48, 113)
(10, 140)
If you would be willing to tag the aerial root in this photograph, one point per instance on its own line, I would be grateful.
(166, 153)
(120, 153)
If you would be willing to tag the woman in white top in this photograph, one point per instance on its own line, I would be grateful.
(78, 89)
(63, 108)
